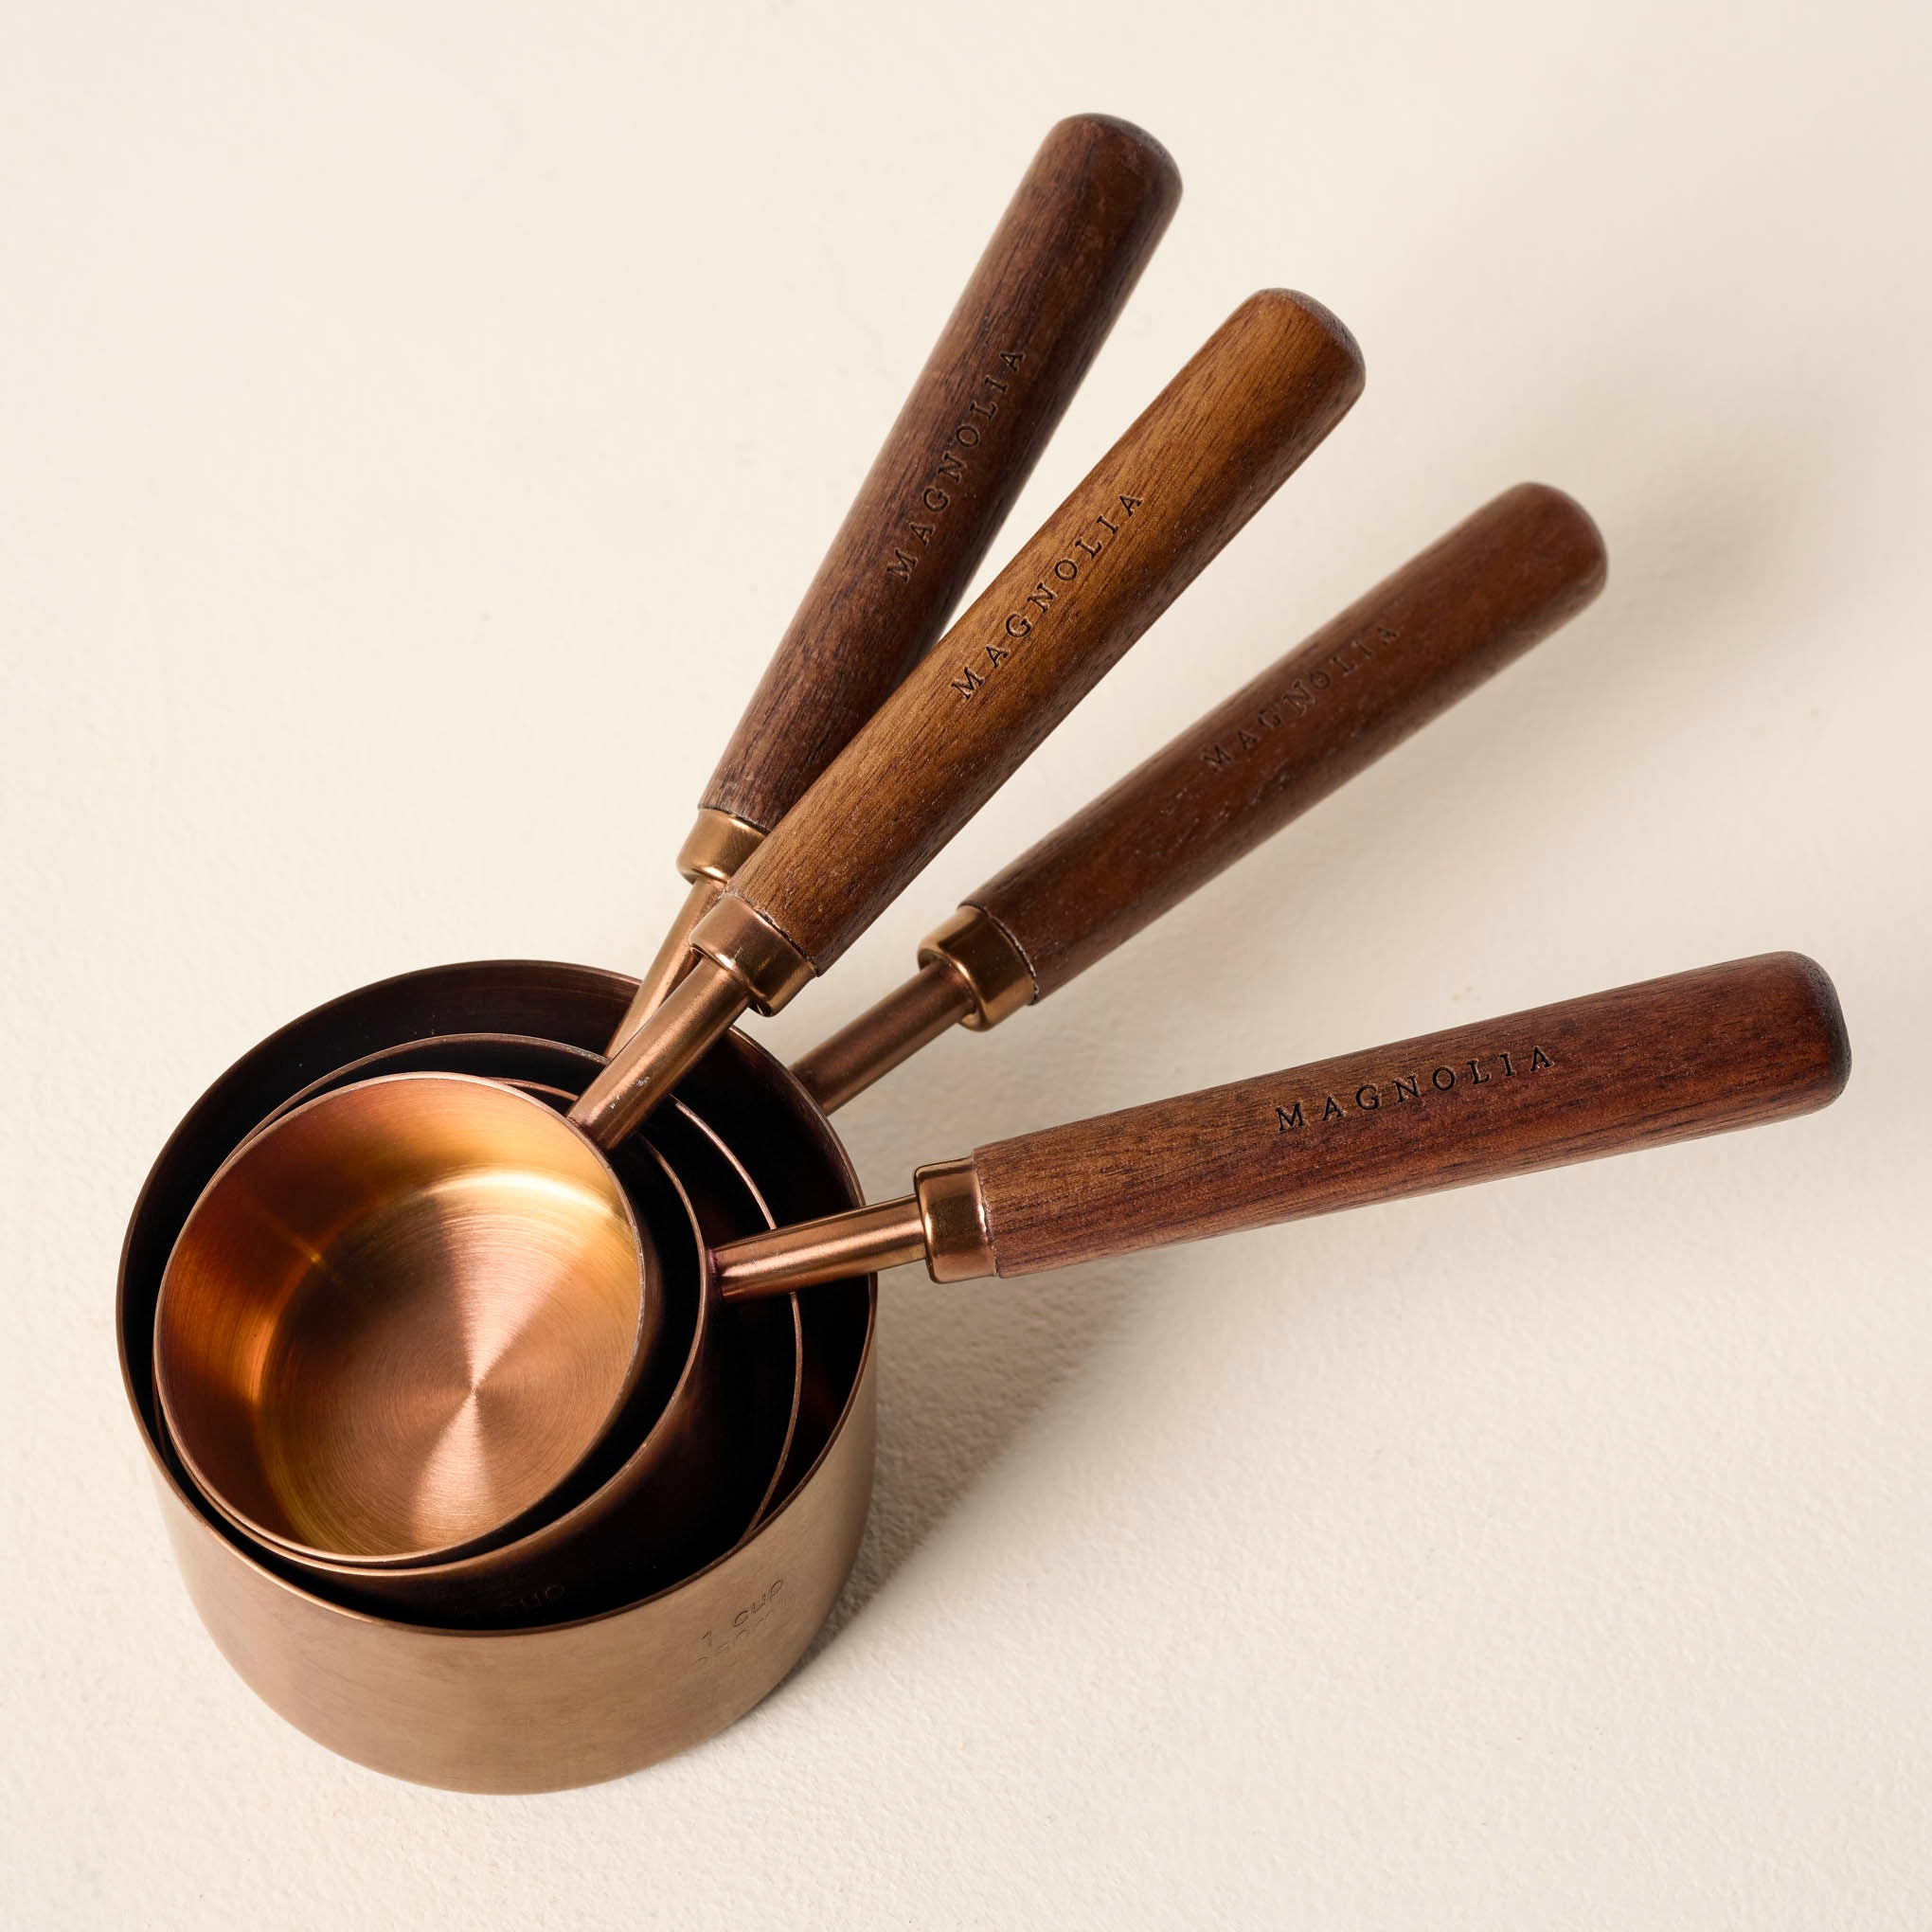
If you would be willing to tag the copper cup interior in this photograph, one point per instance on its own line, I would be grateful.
(396, 1322)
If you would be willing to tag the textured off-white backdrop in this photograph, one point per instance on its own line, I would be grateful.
(417, 423)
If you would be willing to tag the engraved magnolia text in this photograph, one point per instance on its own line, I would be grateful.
(1300, 695)
(955, 458)
(1095, 538)
(1399, 1089)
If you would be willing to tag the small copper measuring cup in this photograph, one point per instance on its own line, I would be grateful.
(713, 1416)
(392, 1330)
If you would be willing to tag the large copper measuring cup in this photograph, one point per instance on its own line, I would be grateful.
(560, 1701)
(310, 1228)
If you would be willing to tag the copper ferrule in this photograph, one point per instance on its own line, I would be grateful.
(714, 849)
(952, 1209)
(935, 999)
(942, 1222)
(754, 952)
(698, 1011)
(673, 962)
(716, 845)
(988, 959)
(833, 1249)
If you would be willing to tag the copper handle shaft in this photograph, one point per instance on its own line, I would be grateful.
(1697, 1053)
(1045, 295)
(1206, 455)
(1451, 618)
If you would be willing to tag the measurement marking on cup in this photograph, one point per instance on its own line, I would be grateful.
(1399, 1089)
(956, 457)
(1301, 695)
(719, 1639)
(1095, 538)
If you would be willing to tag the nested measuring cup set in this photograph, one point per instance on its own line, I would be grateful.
(502, 1333)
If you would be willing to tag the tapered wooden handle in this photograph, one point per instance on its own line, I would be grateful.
(1697, 1053)
(1450, 618)
(1217, 443)
(1048, 288)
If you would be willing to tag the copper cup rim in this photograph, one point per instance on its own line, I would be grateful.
(529, 1516)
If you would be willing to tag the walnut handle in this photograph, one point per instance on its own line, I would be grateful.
(1449, 618)
(1701, 1052)
(1211, 450)
(1047, 290)
(1424, 637)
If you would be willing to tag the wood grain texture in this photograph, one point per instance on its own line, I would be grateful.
(1700, 1052)
(1449, 618)
(1047, 290)
(1209, 450)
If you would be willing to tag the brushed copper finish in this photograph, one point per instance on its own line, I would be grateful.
(942, 1222)
(747, 943)
(562, 1704)
(696, 1013)
(672, 960)
(971, 975)
(710, 1418)
(859, 1241)
(954, 1218)
(936, 999)
(701, 1445)
(715, 846)
(392, 1328)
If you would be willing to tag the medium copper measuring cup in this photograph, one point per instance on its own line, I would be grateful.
(426, 1182)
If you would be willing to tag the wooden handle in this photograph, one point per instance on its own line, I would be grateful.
(1217, 443)
(1452, 617)
(1697, 1053)
(1052, 280)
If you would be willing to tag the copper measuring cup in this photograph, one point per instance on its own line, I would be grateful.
(362, 1185)
(717, 1418)
(562, 1703)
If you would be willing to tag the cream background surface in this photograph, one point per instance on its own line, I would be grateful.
(410, 410)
